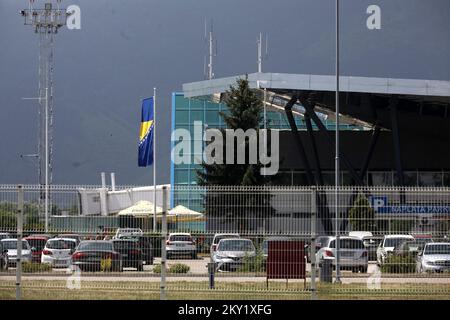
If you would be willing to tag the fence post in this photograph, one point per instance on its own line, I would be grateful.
(163, 244)
(19, 242)
(312, 247)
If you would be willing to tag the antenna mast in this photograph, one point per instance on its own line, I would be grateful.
(45, 22)
(212, 51)
(261, 56)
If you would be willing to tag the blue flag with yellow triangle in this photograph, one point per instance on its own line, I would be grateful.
(146, 133)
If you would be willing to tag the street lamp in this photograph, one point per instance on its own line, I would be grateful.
(337, 171)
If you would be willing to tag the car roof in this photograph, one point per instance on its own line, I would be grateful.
(12, 239)
(92, 241)
(179, 234)
(37, 238)
(61, 238)
(230, 239)
(406, 236)
(437, 243)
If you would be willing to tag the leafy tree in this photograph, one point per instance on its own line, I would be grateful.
(244, 112)
(362, 216)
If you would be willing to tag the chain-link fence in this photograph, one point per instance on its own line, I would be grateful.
(226, 242)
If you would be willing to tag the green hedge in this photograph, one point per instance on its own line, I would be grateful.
(399, 264)
(31, 267)
(176, 268)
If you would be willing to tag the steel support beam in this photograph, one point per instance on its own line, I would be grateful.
(298, 141)
(322, 128)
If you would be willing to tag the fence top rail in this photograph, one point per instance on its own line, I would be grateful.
(217, 188)
(309, 188)
(60, 187)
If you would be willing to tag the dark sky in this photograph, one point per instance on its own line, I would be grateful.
(125, 48)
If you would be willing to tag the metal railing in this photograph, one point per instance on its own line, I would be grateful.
(393, 243)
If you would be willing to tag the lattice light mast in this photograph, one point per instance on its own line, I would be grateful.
(46, 22)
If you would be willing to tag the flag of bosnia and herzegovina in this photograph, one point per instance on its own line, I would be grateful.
(146, 133)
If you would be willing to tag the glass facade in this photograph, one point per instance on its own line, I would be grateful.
(185, 111)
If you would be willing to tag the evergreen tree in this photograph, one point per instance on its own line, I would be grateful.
(244, 112)
(362, 215)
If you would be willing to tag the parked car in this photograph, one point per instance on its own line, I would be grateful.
(75, 236)
(37, 243)
(371, 244)
(423, 238)
(408, 247)
(5, 235)
(230, 253)
(435, 257)
(131, 253)
(3, 258)
(128, 232)
(179, 244)
(90, 255)
(58, 252)
(217, 238)
(388, 244)
(10, 245)
(352, 253)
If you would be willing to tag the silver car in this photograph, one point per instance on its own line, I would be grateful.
(435, 257)
(230, 253)
(353, 254)
(11, 246)
(181, 244)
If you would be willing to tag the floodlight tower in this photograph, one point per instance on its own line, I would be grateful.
(45, 22)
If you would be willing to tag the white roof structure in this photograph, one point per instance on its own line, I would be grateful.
(322, 83)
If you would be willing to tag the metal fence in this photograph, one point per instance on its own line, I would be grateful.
(229, 242)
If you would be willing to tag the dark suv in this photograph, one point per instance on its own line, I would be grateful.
(131, 253)
(145, 244)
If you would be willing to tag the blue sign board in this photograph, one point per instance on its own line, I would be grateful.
(381, 205)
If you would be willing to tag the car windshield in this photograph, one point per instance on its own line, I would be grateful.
(37, 243)
(180, 238)
(348, 244)
(12, 245)
(61, 244)
(438, 249)
(125, 245)
(224, 236)
(236, 245)
(97, 246)
(394, 242)
(423, 241)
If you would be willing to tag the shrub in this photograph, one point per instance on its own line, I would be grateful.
(176, 268)
(106, 264)
(254, 264)
(179, 268)
(399, 264)
(30, 267)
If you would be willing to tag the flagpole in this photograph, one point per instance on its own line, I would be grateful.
(154, 159)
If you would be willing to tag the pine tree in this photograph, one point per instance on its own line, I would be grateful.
(244, 112)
